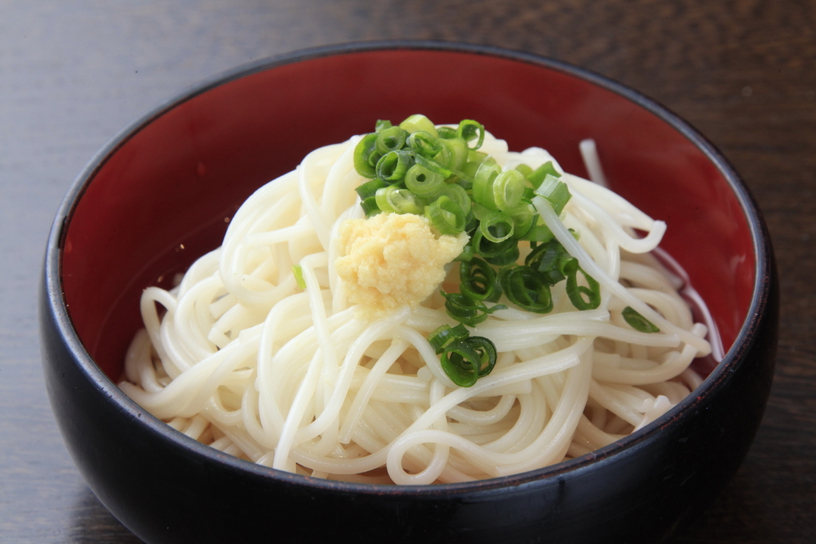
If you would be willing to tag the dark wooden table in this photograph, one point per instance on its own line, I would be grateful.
(74, 72)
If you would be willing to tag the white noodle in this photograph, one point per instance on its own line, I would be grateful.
(238, 357)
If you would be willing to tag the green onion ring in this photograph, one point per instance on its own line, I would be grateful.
(444, 335)
(393, 166)
(396, 199)
(364, 153)
(497, 227)
(446, 216)
(577, 292)
(461, 363)
(423, 182)
(526, 288)
(637, 321)
(469, 129)
(477, 279)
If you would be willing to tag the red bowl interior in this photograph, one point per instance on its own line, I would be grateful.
(164, 192)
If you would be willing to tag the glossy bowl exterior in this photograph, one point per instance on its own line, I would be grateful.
(159, 195)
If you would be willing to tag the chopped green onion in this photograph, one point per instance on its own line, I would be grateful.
(395, 199)
(446, 216)
(508, 256)
(370, 206)
(546, 258)
(418, 168)
(474, 161)
(381, 125)
(369, 188)
(390, 139)
(526, 288)
(465, 361)
(500, 253)
(466, 310)
(446, 132)
(577, 292)
(459, 195)
(555, 191)
(637, 321)
(538, 175)
(497, 227)
(298, 271)
(469, 129)
(423, 182)
(538, 233)
(480, 212)
(366, 156)
(434, 166)
(424, 144)
(477, 279)
(523, 217)
(487, 352)
(466, 255)
(457, 151)
(524, 170)
(508, 189)
(394, 165)
(483, 180)
(445, 335)
(461, 363)
(418, 122)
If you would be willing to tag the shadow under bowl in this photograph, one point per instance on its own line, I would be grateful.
(161, 193)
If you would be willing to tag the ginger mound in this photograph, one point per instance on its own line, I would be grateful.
(392, 259)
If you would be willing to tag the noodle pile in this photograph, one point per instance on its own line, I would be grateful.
(239, 357)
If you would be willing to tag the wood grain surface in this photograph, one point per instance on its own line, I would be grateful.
(75, 72)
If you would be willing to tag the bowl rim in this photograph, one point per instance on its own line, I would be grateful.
(630, 444)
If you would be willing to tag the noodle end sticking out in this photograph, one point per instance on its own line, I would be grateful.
(389, 260)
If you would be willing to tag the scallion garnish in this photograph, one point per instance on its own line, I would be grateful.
(466, 310)
(419, 168)
(370, 206)
(523, 217)
(395, 199)
(483, 179)
(637, 321)
(487, 353)
(469, 129)
(459, 195)
(464, 358)
(537, 176)
(392, 166)
(446, 216)
(366, 156)
(382, 124)
(370, 188)
(297, 270)
(508, 189)
(390, 139)
(445, 335)
(457, 151)
(424, 144)
(577, 292)
(549, 260)
(497, 253)
(434, 166)
(556, 191)
(419, 122)
(461, 363)
(497, 227)
(477, 280)
(423, 182)
(526, 288)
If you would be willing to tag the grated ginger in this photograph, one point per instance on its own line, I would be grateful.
(392, 259)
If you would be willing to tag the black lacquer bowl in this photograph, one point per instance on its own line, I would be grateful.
(155, 198)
